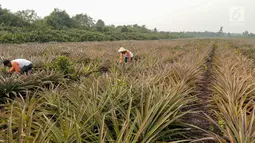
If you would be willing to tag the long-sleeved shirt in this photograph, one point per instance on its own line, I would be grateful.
(18, 64)
(128, 55)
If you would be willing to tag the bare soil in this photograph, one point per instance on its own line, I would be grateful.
(203, 94)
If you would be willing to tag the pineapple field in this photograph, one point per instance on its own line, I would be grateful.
(187, 90)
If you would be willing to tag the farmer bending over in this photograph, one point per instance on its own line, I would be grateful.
(125, 55)
(21, 66)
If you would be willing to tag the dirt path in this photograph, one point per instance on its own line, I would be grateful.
(203, 95)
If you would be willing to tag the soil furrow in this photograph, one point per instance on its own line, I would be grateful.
(203, 95)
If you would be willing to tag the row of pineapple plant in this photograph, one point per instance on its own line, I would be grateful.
(233, 96)
(141, 102)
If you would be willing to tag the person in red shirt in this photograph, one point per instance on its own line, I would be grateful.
(21, 66)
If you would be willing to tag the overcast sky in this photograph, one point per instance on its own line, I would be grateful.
(167, 15)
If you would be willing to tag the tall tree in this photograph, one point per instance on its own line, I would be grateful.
(246, 33)
(59, 19)
(83, 20)
(9, 19)
(100, 25)
(221, 31)
(28, 15)
(155, 30)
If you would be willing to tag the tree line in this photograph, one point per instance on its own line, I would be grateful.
(26, 26)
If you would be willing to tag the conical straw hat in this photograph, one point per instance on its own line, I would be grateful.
(122, 50)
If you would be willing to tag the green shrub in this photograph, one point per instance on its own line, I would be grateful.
(23, 35)
(62, 64)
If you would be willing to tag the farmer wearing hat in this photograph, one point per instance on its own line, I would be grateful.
(125, 55)
(22, 66)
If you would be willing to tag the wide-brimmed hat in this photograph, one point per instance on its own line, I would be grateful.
(122, 50)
